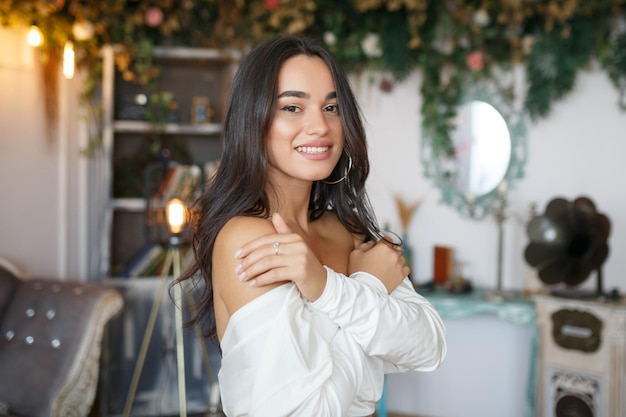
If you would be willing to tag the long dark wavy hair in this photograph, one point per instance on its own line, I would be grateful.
(240, 184)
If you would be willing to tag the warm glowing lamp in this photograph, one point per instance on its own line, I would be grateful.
(176, 215)
(68, 60)
(34, 37)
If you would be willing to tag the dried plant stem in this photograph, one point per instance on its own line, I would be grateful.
(50, 79)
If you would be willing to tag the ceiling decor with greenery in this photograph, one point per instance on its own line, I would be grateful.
(452, 42)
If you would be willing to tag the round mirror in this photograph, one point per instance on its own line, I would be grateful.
(488, 154)
(482, 149)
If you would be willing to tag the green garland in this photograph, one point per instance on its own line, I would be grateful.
(555, 60)
(452, 42)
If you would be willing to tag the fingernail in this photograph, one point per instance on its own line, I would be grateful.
(238, 253)
(252, 282)
(242, 276)
(238, 268)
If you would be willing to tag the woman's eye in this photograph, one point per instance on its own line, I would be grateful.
(291, 108)
(333, 108)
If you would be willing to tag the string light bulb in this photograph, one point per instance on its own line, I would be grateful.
(34, 36)
(68, 60)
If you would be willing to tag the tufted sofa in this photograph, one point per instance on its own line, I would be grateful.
(50, 344)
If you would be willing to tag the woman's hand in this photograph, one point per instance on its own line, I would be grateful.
(281, 257)
(381, 259)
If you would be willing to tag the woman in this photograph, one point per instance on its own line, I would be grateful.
(311, 304)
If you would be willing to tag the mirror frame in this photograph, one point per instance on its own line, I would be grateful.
(515, 121)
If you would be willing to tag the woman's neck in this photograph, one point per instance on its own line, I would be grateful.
(293, 205)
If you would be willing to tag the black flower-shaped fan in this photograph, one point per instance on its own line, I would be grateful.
(567, 243)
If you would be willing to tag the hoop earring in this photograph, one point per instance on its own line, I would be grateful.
(344, 175)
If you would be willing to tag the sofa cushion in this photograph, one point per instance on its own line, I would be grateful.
(50, 341)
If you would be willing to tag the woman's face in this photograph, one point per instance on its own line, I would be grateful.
(305, 138)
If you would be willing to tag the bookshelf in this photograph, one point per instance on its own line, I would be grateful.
(191, 91)
(139, 180)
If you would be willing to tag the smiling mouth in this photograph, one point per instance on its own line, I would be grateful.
(313, 149)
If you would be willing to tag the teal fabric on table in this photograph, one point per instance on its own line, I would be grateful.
(518, 309)
(381, 409)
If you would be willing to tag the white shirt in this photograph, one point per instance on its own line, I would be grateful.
(285, 356)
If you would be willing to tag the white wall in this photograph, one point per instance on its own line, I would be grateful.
(39, 220)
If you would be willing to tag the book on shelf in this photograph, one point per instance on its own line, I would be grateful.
(185, 262)
(141, 260)
(183, 181)
(153, 254)
(155, 266)
(150, 261)
(166, 180)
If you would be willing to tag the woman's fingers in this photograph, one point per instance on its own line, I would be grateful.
(382, 260)
(280, 258)
(263, 252)
(291, 262)
(266, 252)
(263, 260)
(268, 244)
(280, 224)
(266, 270)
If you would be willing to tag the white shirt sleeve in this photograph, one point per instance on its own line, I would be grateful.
(282, 359)
(402, 328)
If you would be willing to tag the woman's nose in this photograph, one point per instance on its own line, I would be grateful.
(316, 123)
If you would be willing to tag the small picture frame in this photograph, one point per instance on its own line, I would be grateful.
(201, 111)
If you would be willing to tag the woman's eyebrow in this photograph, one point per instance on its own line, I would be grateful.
(293, 93)
(302, 94)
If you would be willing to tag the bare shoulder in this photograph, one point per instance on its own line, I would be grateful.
(229, 293)
(242, 229)
(235, 233)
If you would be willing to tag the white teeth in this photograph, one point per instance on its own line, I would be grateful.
(312, 149)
